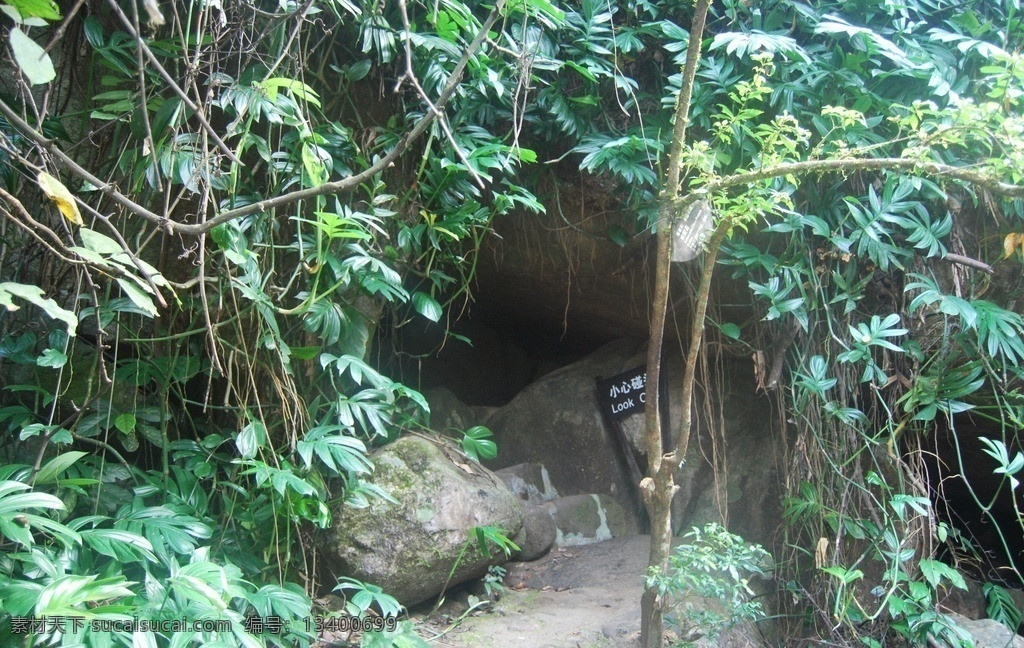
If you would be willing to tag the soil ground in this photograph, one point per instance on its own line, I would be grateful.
(579, 597)
(574, 597)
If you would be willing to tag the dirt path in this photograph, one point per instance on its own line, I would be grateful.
(585, 597)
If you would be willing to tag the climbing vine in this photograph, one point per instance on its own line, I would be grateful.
(212, 211)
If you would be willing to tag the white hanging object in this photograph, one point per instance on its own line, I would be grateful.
(690, 232)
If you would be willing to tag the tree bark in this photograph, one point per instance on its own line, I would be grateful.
(659, 486)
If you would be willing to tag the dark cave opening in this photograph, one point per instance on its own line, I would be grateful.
(970, 496)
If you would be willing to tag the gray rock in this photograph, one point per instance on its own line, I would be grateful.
(556, 421)
(585, 519)
(449, 415)
(538, 534)
(409, 548)
(987, 633)
(530, 482)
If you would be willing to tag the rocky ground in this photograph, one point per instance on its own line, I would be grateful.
(589, 597)
(586, 596)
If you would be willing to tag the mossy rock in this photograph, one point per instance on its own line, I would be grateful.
(409, 547)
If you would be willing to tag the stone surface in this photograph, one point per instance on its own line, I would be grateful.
(556, 421)
(969, 603)
(450, 416)
(987, 633)
(586, 519)
(409, 548)
(538, 534)
(530, 482)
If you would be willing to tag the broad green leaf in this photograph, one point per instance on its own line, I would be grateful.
(427, 306)
(54, 467)
(125, 423)
(934, 571)
(138, 297)
(52, 358)
(47, 9)
(730, 330)
(295, 87)
(477, 444)
(99, 243)
(34, 295)
(250, 439)
(34, 62)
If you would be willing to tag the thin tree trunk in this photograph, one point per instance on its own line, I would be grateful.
(658, 487)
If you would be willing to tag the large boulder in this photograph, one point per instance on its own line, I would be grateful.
(986, 633)
(557, 422)
(531, 484)
(410, 546)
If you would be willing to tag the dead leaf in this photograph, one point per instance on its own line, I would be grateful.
(1012, 241)
(821, 553)
(759, 370)
(59, 194)
(465, 467)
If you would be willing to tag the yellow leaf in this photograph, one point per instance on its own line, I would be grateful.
(61, 197)
(1013, 240)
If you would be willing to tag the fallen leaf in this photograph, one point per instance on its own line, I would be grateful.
(821, 553)
(1012, 241)
(59, 194)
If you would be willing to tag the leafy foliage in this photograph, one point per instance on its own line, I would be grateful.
(221, 224)
(713, 564)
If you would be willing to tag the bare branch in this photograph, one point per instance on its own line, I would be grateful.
(969, 262)
(185, 99)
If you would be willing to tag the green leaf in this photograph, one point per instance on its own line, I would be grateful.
(99, 243)
(47, 9)
(426, 306)
(478, 445)
(54, 467)
(337, 450)
(252, 437)
(314, 162)
(730, 330)
(138, 297)
(125, 423)
(34, 62)
(934, 571)
(306, 352)
(72, 595)
(1001, 607)
(122, 546)
(845, 576)
(52, 358)
(296, 88)
(34, 295)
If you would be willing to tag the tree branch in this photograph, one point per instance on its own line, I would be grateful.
(141, 43)
(808, 167)
(341, 186)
